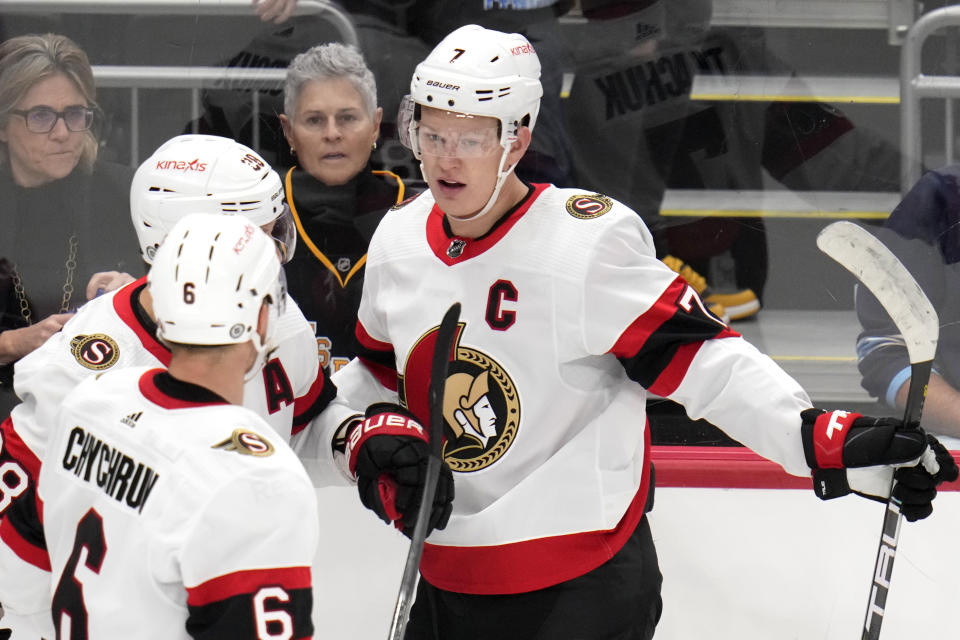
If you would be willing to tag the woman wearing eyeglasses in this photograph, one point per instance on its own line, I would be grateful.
(64, 215)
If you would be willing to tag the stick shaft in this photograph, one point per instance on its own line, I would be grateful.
(446, 334)
(892, 518)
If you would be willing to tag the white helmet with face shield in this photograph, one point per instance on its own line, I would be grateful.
(209, 279)
(207, 174)
(476, 72)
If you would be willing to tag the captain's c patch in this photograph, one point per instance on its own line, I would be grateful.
(585, 206)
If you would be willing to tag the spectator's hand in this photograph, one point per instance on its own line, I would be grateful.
(104, 281)
(16, 343)
(276, 11)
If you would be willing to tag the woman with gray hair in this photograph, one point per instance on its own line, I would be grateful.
(64, 213)
(332, 123)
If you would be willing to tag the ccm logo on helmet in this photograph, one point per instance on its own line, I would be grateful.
(443, 85)
(182, 165)
(243, 240)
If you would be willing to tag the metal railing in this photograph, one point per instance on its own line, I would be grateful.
(191, 78)
(915, 85)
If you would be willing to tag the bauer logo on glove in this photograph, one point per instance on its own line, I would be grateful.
(387, 453)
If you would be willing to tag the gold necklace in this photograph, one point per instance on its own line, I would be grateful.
(70, 264)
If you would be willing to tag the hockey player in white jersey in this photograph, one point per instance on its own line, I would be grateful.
(568, 321)
(186, 174)
(170, 511)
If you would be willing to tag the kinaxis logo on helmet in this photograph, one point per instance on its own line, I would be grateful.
(481, 406)
(524, 48)
(443, 85)
(182, 165)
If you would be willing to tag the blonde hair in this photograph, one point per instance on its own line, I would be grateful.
(26, 60)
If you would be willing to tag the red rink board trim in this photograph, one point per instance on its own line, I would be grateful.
(731, 468)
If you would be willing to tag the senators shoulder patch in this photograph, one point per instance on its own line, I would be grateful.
(587, 206)
(97, 351)
(247, 443)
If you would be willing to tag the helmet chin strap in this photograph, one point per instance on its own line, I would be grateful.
(503, 173)
(264, 351)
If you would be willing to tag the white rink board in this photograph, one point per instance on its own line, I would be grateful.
(738, 564)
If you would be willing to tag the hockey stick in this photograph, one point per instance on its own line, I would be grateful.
(438, 379)
(881, 272)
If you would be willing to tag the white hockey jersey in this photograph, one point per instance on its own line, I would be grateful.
(568, 319)
(111, 332)
(169, 513)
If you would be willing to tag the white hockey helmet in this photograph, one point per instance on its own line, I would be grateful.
(479, 72)
(206, 174)
(209, 279)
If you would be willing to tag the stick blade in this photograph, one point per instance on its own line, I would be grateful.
(874, 265)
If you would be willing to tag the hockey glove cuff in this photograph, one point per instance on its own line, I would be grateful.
(388, 454)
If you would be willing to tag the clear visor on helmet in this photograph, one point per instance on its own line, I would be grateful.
(281, 304)
(283, 230)
(457, 142)
(448, 134)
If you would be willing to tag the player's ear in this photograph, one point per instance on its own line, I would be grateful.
(519, 146)
(263, 321)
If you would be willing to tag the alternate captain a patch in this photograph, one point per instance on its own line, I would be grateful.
(585, 207)
(96, 351)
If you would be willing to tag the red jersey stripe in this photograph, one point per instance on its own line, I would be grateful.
(302, 406)
(123, 305)
(533, 564)
(439, 241)
(640, 330)
(18, 449)
(369, 342)
(242, 582)
(671, 377)
(25, 551)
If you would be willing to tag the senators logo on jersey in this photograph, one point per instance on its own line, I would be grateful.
(246, 443)
(96, 351)
(586, 207)
(481, 407)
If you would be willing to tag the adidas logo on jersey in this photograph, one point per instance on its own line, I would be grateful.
(131, 420)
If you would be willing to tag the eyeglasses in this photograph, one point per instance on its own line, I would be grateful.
(44, 119)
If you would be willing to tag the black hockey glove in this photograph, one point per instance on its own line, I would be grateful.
(849, 452)
(388, 453)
